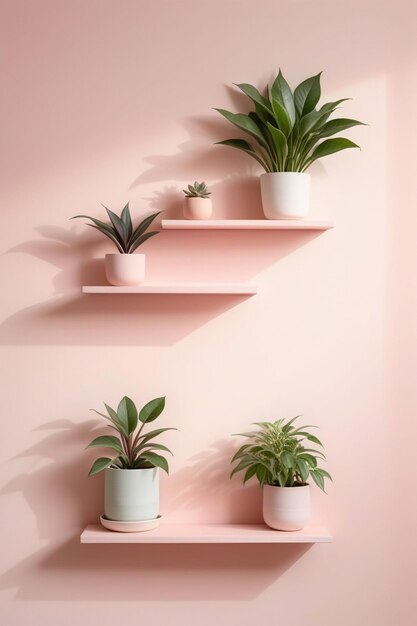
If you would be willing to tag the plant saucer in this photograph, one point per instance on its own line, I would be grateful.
(130, 527)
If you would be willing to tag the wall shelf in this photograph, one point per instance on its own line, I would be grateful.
(238, 289)
(208, 534)
(247, 224)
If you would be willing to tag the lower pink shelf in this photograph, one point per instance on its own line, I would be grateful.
(211, 533)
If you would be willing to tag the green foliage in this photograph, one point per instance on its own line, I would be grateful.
(280, 454)
(120, 229)
(135, 448)
(198, 190)
(290, 133)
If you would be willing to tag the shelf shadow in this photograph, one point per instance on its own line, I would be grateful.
(70, 318)
(122, 320)
(150, 572)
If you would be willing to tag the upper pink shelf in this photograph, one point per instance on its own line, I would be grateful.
(247, 224)
(211, 533)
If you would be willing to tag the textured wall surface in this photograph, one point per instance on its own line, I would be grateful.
(109, 101)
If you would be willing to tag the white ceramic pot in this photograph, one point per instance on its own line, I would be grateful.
(131, 495)
(125, 269)
(286, 508)
(285, 195)
(198, 208)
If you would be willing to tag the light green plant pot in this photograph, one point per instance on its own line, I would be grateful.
(131, 495)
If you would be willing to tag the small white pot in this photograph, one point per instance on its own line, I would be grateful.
(131, 495)
(286, 508)
(198, 208)
(125, 269)
(285, 195)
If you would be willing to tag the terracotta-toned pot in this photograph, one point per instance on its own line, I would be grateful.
(198, 208)
(125, 269)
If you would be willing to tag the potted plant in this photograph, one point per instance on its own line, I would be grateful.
(131, 475)
(279, 456)
(124, 267)
(290, 134)
(198, 204)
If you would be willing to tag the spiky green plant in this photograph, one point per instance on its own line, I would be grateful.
(198, 190)
(120, 229)
(289, 131)
(277, 455)
(135, 448)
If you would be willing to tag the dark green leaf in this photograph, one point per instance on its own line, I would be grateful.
(336, 126)
(245, 123)
(155, 446)
(140, 240)
(152, 434)
(280, 143)
(241, 144)
(318, 478)
(261, 472)
(152, 410)
(120, 425)
(330, 146)
(303, 469)
(329, 107)
(119, 227)
(112, 237)
(99, 465)
(255, 96)
(324, 473)
(144, 225)
(309, 458)
(156, 460)
(240, 452)
(106, 441)
(281, 117)
(307, 95)
(127, 414)
(251, 471)
(281, 91)
(288, 426)
(310, 122)
(287, 459)
(127, 220)
(243, 464)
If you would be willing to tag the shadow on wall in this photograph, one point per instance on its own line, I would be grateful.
(125, 571)
(71, 318)
(205, 478)
(140, 572)
(236, 196)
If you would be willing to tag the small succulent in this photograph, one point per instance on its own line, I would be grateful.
(280, 454)
(134, 448)
(120, 229)
(198, 190)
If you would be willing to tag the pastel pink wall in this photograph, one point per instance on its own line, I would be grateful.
(111, 101)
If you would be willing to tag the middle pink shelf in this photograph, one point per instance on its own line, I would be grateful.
(246, 224)
(237, 289)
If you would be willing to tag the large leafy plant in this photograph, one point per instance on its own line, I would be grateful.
(135, 449)
(280, 454)
(120, 229)
(290, 133)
